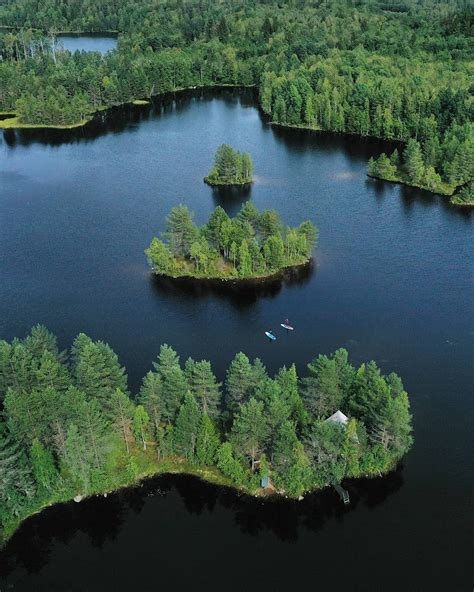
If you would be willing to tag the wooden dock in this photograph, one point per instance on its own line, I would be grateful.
(343, 493)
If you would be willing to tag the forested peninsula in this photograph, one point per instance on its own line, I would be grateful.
(388, 69)
(252, 245)
(70, 427)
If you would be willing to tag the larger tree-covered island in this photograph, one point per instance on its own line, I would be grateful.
(72, 429)
(231, 167)
(251, 245)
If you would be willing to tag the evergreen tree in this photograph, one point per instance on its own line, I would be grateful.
(44, 468)
(413, 159)
(187, 427)
(228, 465)
(250, 431)
(150, 397)
(141, 422)
(292, 471)
(208, 442)
(173, 380)
(97, 371)
(181, 231)
(204, 386)
(121, 415)
(239, 382)
(16, 484)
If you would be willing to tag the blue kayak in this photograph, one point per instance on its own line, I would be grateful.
(270, 335)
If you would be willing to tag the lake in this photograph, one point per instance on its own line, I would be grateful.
(392, 281)
(80, 42)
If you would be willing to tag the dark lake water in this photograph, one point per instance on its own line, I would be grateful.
(392, 281)
(101, 43)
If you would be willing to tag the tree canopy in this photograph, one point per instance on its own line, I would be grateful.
(231, 167)
(252, 244)
(74, 437)
(394, 70)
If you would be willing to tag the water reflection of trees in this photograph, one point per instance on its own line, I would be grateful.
(103, 519)
(239, 293)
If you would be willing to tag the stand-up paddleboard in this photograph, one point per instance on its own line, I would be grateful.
(286, 325)
(270, 335)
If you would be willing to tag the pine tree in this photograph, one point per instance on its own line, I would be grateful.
(245, 263)
(228, 465)
(97, 371)
(250, 430)
(181, 231)
(44, 468)
(186, 429)
(76, 461)
(150, 397)
(173, 380)
(208, 442)
(292, 471)
(413, 159)
(141, 422)
(239, 382)
(16, 484)
(204, 386)
(121, 414)
(288, 382)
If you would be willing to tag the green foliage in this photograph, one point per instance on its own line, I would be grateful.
(187, 426)
(230, 167)
(203, 386)
(58, 441)
(249, 245)
(43, 466)
(208, 442)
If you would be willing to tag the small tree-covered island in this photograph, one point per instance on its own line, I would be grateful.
(70, 427)
(252, 245)
(231, 167)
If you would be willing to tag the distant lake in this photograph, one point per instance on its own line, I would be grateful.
(101, 43)
(392, 281)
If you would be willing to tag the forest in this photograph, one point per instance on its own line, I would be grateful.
(388, 69)
(230, 167)
(251, 245)
(71, 427)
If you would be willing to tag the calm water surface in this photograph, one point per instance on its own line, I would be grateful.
(392, 280)
(90, 42)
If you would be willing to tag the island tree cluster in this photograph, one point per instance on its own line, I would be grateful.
(395, 70)
(231, 167)
(251, 245)
(70, 425)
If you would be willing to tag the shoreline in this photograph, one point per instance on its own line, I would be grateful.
(223, 184)
(170, 466)
(258, 280)
(15, 123)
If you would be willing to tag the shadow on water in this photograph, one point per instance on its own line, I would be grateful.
(239, 293)
(124, 117)
(231, 197)
(104, 520)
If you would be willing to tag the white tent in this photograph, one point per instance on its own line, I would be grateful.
(338, 417)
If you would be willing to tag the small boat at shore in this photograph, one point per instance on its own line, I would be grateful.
(270, 335)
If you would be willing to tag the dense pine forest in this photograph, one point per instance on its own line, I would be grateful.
(398, 70)
(251, 245)
(71, 427)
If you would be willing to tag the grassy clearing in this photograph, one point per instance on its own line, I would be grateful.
(15, 123)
